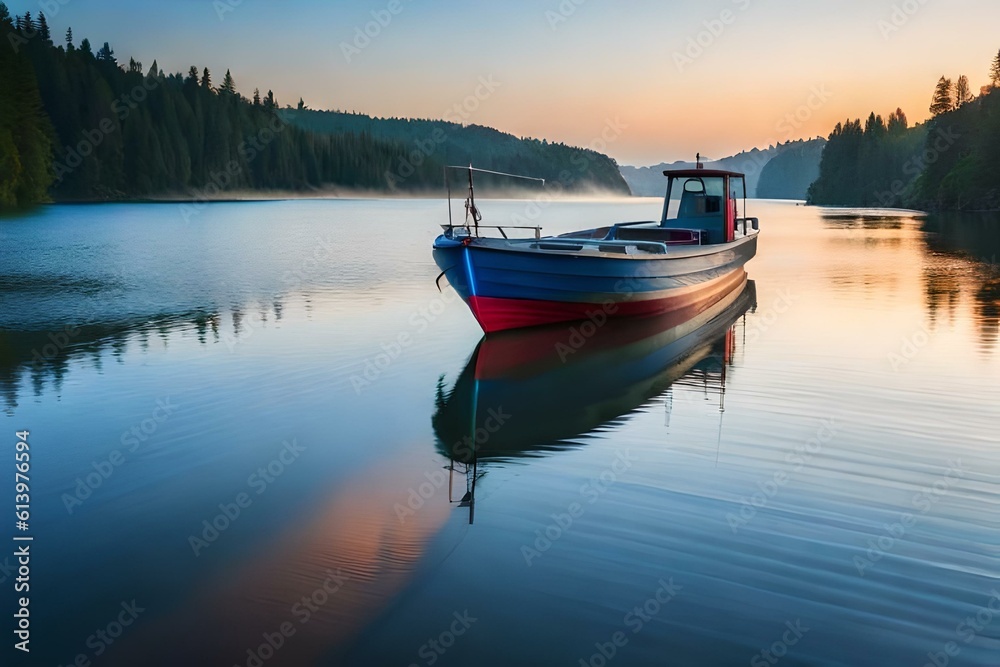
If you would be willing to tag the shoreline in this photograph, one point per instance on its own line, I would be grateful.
(277, 196)
(283, 196)
(292, 197)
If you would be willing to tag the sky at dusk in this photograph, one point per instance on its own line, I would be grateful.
(627, 78)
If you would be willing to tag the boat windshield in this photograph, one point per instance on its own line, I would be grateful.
(696, 196)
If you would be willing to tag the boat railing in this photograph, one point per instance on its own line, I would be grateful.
(500, 228)
(473, 215)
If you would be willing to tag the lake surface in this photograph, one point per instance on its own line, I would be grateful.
(242, 423)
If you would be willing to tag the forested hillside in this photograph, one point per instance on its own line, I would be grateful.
(966, 146)
(444, 142)
(870, 164)
(947, 163)
(78, 125)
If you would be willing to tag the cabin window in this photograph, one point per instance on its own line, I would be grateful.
(698, 201)
(695, 197)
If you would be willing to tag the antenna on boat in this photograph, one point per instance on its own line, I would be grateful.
(697, 161)
(447, 186)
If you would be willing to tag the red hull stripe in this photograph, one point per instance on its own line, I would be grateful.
(498, 314)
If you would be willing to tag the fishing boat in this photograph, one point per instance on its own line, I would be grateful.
(693, 256)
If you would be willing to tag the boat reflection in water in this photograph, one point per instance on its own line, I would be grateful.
(527, 392)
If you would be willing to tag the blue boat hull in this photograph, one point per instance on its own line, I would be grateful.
(514, 284)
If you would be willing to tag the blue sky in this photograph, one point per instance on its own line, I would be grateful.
(568, 70)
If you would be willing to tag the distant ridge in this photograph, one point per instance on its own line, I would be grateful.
(441, 142)
(649, 181)
(789, 174)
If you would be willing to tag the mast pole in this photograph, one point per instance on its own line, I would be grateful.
(447, 186)
(472, 202)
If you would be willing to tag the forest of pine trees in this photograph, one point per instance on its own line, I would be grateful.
(25, 132)
(78, 125)
(565, 167)
(946, 163)
(862, 162)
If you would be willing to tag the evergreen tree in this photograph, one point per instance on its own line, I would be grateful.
(302, 105)
(154, 71)
(192, 77)
(898, 123)
(43, 27)
(69, 39)
(256, 97)
(107, 54)
(85, 47)
(27, 24)
(228, 85)
(995, 72)
(269, 103)
(206, 80)
(25, 145)
(944, 97)
(875, 126)
(963, 93)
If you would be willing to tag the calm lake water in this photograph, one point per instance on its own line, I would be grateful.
(241, 425)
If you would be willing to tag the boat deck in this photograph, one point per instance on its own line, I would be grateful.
(653, 233)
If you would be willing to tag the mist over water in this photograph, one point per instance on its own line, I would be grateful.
(814, 473)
